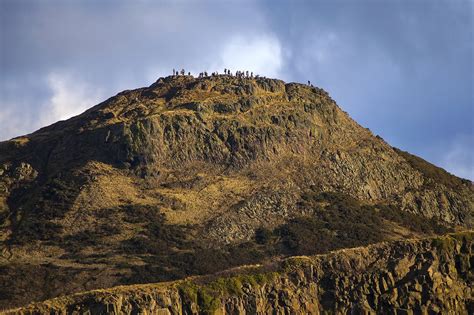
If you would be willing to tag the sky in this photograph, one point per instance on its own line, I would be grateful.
(402, 68)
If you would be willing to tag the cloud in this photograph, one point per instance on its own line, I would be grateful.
(392, 65)
(261, 54)
(459, 157)
(66, 95)
(12, 120)
(70, 97)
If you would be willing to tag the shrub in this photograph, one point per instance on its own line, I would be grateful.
(263, 235)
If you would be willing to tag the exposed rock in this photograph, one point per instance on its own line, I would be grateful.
(237, 123)
(403, 277)
(174, 179)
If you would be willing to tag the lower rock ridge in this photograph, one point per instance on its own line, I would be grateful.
(422, 276)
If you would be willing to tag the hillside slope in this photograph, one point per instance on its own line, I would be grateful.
(429, 276)
(192, 176)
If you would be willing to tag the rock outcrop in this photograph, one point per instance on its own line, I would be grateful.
(427, 276)
(235, 123)
(190, 176)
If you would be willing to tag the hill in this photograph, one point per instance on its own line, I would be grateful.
(196, 175)
(408, 277)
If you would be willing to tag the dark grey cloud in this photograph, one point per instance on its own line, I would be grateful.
(402, 68)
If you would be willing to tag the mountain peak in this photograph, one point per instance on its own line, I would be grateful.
(222, 94)
(194, 175)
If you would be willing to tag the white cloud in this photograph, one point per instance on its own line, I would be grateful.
(70, 97)
(261, 54)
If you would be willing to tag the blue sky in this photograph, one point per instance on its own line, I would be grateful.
(402, 68)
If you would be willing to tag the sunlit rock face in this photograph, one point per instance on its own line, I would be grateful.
(196, 175)
(408, 277)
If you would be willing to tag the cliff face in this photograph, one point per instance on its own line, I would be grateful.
(428, 276)
(234, 124)
(192, 176)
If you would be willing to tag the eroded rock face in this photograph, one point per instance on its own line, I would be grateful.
(430, 276)
(236, 123)
(152, 180)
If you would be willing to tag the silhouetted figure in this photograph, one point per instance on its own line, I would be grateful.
(182, 72)
(174, 72)
(247, 74)
(205, 73)
(189, 73)
(251, 75)
(309, 82)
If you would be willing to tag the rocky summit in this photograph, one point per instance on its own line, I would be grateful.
(193, 176)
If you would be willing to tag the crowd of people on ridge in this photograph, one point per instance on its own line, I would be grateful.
(227, 72)
(238, 74)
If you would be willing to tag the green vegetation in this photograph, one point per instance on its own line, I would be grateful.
(156, 237)
(414, 222)
(45, 204)
(340, 221)
(208, 295)
(171, 252)
(196, 149)
(443, 243)
(208, 299)
(76, 242)
(337, 221)
(263, 235)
